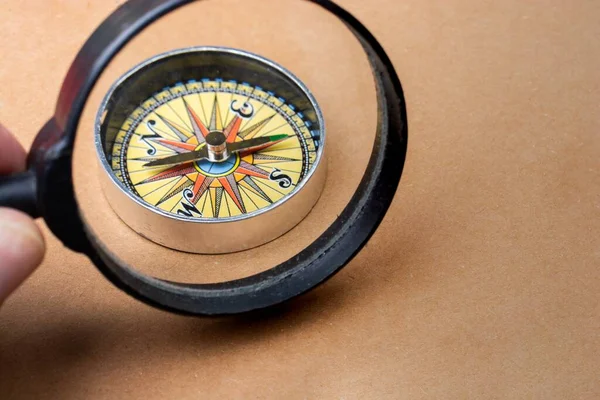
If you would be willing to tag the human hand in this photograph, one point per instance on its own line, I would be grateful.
(22, 245)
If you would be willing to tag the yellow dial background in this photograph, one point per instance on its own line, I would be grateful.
(174, 120)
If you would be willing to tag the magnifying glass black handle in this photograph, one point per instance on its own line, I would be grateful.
(19, 191)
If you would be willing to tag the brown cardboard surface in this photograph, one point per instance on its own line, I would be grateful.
(482, 281)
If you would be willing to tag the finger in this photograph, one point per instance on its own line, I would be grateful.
(22, 249)
(12, 154)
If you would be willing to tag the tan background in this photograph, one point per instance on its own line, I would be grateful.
(482, 281)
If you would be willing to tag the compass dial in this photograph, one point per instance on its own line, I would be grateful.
(178, 119)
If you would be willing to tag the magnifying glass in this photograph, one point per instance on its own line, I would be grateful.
(196, 136)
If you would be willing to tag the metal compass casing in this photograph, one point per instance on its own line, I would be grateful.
(211, 149)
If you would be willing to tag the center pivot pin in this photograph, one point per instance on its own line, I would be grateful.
(216, 144)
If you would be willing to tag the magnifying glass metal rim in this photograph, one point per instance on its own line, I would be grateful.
(46, 189)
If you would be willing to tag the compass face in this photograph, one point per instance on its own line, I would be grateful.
(178, 119)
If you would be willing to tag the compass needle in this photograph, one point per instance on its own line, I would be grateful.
(187, 157)
(246, 147)
(253, 145)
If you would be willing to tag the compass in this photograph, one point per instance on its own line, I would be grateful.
(211, 149)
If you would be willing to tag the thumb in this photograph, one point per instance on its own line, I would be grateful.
(22, 249)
